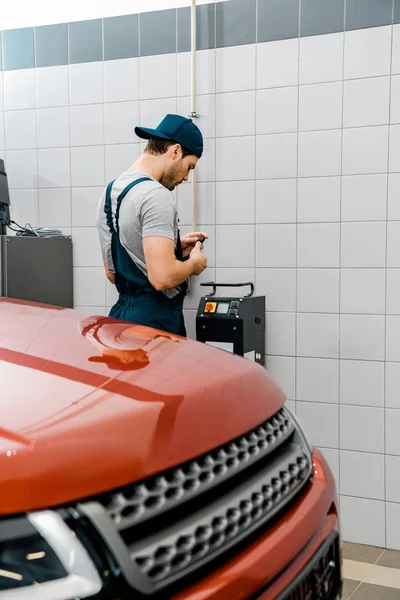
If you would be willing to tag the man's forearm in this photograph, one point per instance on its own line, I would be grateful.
(177, 274)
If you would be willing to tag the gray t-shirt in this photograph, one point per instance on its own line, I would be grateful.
(148, 209)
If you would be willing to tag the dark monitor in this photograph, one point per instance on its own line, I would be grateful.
(4, 200)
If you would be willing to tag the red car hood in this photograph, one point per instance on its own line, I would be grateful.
(88, 404)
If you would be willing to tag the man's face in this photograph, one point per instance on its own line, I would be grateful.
(178, 170)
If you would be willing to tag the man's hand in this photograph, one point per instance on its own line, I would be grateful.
(198, 259)
(189, 240)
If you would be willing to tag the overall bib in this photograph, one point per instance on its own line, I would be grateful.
(139, 302)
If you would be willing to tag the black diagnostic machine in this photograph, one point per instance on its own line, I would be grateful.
(235, 324)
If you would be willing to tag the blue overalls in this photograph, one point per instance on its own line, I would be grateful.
(139, 302)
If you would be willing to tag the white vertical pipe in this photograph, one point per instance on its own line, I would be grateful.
(193, 114)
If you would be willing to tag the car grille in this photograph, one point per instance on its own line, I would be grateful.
(167, 527)
(142, 501)
(321, 580)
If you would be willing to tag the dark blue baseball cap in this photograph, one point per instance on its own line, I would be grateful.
(177, 129)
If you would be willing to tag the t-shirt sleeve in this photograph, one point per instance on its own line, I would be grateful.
(104, 233)
(158, 214)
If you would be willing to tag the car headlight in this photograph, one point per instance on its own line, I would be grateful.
(42, 559)
(301, 430)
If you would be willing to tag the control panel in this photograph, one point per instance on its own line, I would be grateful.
(227, 308)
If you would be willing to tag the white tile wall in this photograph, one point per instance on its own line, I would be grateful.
(362, 337)
(393, 292)
(362, 475)
(363, 291)
(392, 525)
(19, 89)
(235, 158)
(392, 479)
(318, 290)
(282, 369)
(205, 72)
(321, 58)
(25, 207)
(394, 149)
(25, 178)
(364, 197)
(235, 114)
(275, 245)
(281, 338)
(20, 129)
(321, 106)
(318, 199)
(362, 383)
(276, 156)
(87, 125)
(276, 201)
(392, 385)
(320, 153)
(277, 64)
(392, 338)
(363, 244)
(355, 513)
(367, 52)
(162, 86)
(277, 110)
(318, 245)
(235, 245)
(120, 119)
(279, 288)
(236, 68)
(321, 421)
(293, 189)
(121, 80)
(55, 207)
(52, 87)
(86, 83)
(393, 244)
(87, 166)
(365, 150)
(356, 425)
(317, 380)
(366, 102)
(54, 168)
(394, 196)
(396, 49)
(235, 202)
(53, 127)
(118, 158)
(206, 193)
(392, 432)
(318, 335)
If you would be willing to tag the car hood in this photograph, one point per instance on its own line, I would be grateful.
(88, 403)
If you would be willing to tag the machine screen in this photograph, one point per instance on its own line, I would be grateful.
(223, 308)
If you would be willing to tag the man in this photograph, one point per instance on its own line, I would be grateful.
(137, 221)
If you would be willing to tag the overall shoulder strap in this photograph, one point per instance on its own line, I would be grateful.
(123, 194)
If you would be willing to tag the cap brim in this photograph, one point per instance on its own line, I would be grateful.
(145, 133)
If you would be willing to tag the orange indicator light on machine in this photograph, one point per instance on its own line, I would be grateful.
(210, 307)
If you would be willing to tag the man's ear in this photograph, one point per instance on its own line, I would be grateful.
(176, 151)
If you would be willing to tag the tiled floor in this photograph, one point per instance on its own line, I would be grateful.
(370, 573)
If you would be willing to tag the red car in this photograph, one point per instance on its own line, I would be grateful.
(137, 464)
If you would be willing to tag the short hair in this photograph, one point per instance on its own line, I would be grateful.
(160, 146)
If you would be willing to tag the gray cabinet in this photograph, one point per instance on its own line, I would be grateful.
(37, 269)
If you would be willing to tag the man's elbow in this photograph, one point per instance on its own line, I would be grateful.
(159, 283)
